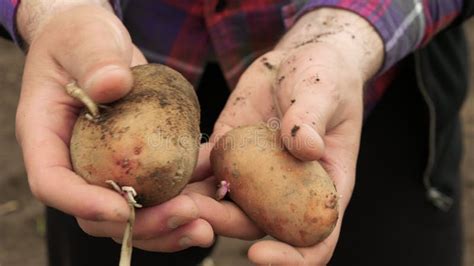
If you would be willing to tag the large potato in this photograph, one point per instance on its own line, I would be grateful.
(148, 140)
(291, 200)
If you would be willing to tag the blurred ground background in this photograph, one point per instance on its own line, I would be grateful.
(21, 217)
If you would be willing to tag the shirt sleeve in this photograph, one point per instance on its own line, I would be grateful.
(404, 25)
(117, 6)
(8, 9)
(7, 17)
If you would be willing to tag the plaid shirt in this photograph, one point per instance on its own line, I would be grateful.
(187, 34)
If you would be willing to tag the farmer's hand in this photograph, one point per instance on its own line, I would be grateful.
(86, 43)
(311, 85)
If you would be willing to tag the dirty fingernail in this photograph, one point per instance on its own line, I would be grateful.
(310, 136)
(185, 242)
(176, 221)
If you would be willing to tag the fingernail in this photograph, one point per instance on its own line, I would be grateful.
(185, 242)
(306, 144)
(309, 129)
(176, 221)
(310, 136)
(98, 73)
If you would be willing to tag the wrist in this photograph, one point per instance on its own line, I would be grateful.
(348, 34)
(33, 15)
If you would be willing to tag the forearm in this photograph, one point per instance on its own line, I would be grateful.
(403, 25)
(350, 34)
(33, 14)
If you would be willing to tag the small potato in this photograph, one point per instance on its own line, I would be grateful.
(291, 200)
(148, 140)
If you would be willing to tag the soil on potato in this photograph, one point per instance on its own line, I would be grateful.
(22, 228)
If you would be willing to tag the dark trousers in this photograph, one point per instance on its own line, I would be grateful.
(388, 221)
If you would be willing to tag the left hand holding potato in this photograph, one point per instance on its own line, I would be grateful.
(311, 86)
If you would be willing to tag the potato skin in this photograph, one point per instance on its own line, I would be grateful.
(149, 139)
(291, 200)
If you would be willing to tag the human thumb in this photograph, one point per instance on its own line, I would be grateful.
(303, 128)
(94, 48)
(309, 102)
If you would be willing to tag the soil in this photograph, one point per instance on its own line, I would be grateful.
(22, 224)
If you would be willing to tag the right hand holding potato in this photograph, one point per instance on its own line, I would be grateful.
(87, 44)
